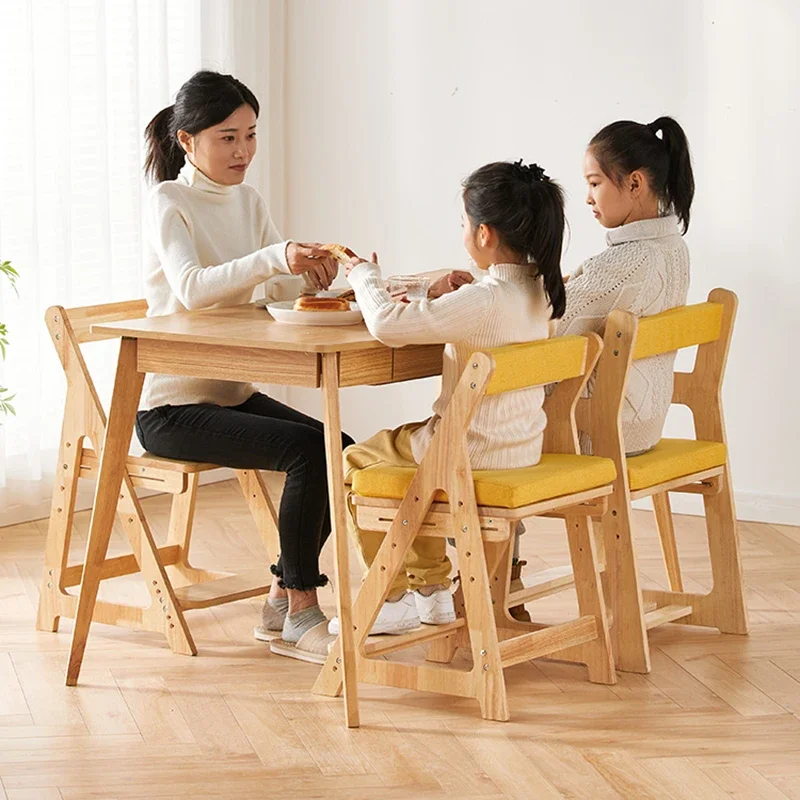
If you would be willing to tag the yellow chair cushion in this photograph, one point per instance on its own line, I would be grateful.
(554, 476)
(673, 458)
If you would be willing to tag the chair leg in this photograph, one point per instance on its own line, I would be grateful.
(621, 579)
(181, 520)
(258, 499)
(726, 563)
(666, 534)
(487, 665)
(599, 657)
(59, 531)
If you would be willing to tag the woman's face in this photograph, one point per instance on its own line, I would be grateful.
(224, 152)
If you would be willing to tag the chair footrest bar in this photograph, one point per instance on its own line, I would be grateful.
(224, 590)
(538, 643)
(665, 614)
(541, 584)
(120, 565)
(381, 645)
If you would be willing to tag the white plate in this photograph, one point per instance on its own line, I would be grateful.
(283, 311)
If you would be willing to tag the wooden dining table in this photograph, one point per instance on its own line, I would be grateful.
(242, 343)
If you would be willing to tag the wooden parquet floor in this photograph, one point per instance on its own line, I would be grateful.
(717, 718)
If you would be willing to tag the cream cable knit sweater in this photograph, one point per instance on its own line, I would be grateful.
(645, 270)
(506, 306)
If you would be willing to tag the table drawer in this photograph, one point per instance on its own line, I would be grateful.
(420, 361)
(360, 367)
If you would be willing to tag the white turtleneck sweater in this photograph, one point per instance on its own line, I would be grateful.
(507, 306)
(645, 270)
(210, 246)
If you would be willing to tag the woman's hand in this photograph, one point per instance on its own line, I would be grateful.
(449, 283)
(309, 257)
(356, 260)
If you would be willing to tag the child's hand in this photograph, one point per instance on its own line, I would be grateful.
(356, 260)
(449, 283)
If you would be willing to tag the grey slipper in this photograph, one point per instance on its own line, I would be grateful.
(271, 626)
(313, 646)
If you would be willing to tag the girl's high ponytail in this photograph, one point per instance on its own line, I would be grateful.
(680, 178)
(164, 157)
(526, 209)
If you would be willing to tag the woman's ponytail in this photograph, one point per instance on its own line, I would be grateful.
(526, 209)
(680, 178)
(625, 146)
(164, 157)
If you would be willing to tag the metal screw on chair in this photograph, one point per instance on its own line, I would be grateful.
(472, 385)
(485, 667)
(616, 352)
(55, 319)
(619, 334)
(339, 660)
(58, 336)
(405, 522)
(464, 528)
(483, 652)
(50, 572)
(475, 365)
(49, 585)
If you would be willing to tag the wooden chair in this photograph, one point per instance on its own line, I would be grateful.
(695, 466)
(444, 497)
(174, 585)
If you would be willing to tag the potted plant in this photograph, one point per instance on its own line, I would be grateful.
(6, 398)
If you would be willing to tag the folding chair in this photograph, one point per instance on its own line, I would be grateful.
(694, 466)
(174, 585)
(480, 510)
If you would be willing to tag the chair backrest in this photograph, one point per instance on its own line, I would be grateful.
(565, 361)
(69, 329)
(709, 326)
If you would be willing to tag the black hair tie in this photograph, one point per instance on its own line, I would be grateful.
(532, 171)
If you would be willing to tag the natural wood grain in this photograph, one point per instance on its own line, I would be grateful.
(669, 730)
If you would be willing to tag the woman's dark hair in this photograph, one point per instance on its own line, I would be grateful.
(205, 100)
(526, 209)
(624, 147)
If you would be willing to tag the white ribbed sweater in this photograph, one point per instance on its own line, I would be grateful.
(645, 270)
(507, 306)
(210, 246)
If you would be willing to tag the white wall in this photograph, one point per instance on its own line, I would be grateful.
(383, 124)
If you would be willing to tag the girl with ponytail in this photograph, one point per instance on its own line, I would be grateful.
(212, 241)
(640, 187)
(513, 221)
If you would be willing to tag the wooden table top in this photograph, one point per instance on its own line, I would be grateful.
(242, 326)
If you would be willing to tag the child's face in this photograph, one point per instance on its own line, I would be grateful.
(611, 205)
(224, 152)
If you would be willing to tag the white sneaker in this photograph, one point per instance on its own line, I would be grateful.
(437, 608)
(399, 617)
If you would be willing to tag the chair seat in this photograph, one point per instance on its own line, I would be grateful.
(673, 458)
(556, 475)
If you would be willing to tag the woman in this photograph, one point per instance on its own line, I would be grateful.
(212, 243)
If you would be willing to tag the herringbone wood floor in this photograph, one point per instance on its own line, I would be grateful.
(717, 718)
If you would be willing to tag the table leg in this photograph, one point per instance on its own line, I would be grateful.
(113, 452)
(333, 452)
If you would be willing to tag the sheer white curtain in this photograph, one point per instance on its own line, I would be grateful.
(81, 79)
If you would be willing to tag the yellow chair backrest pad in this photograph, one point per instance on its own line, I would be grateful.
(678, 328)
(537, 363)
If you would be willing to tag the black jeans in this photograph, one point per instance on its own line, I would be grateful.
(261, 433)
